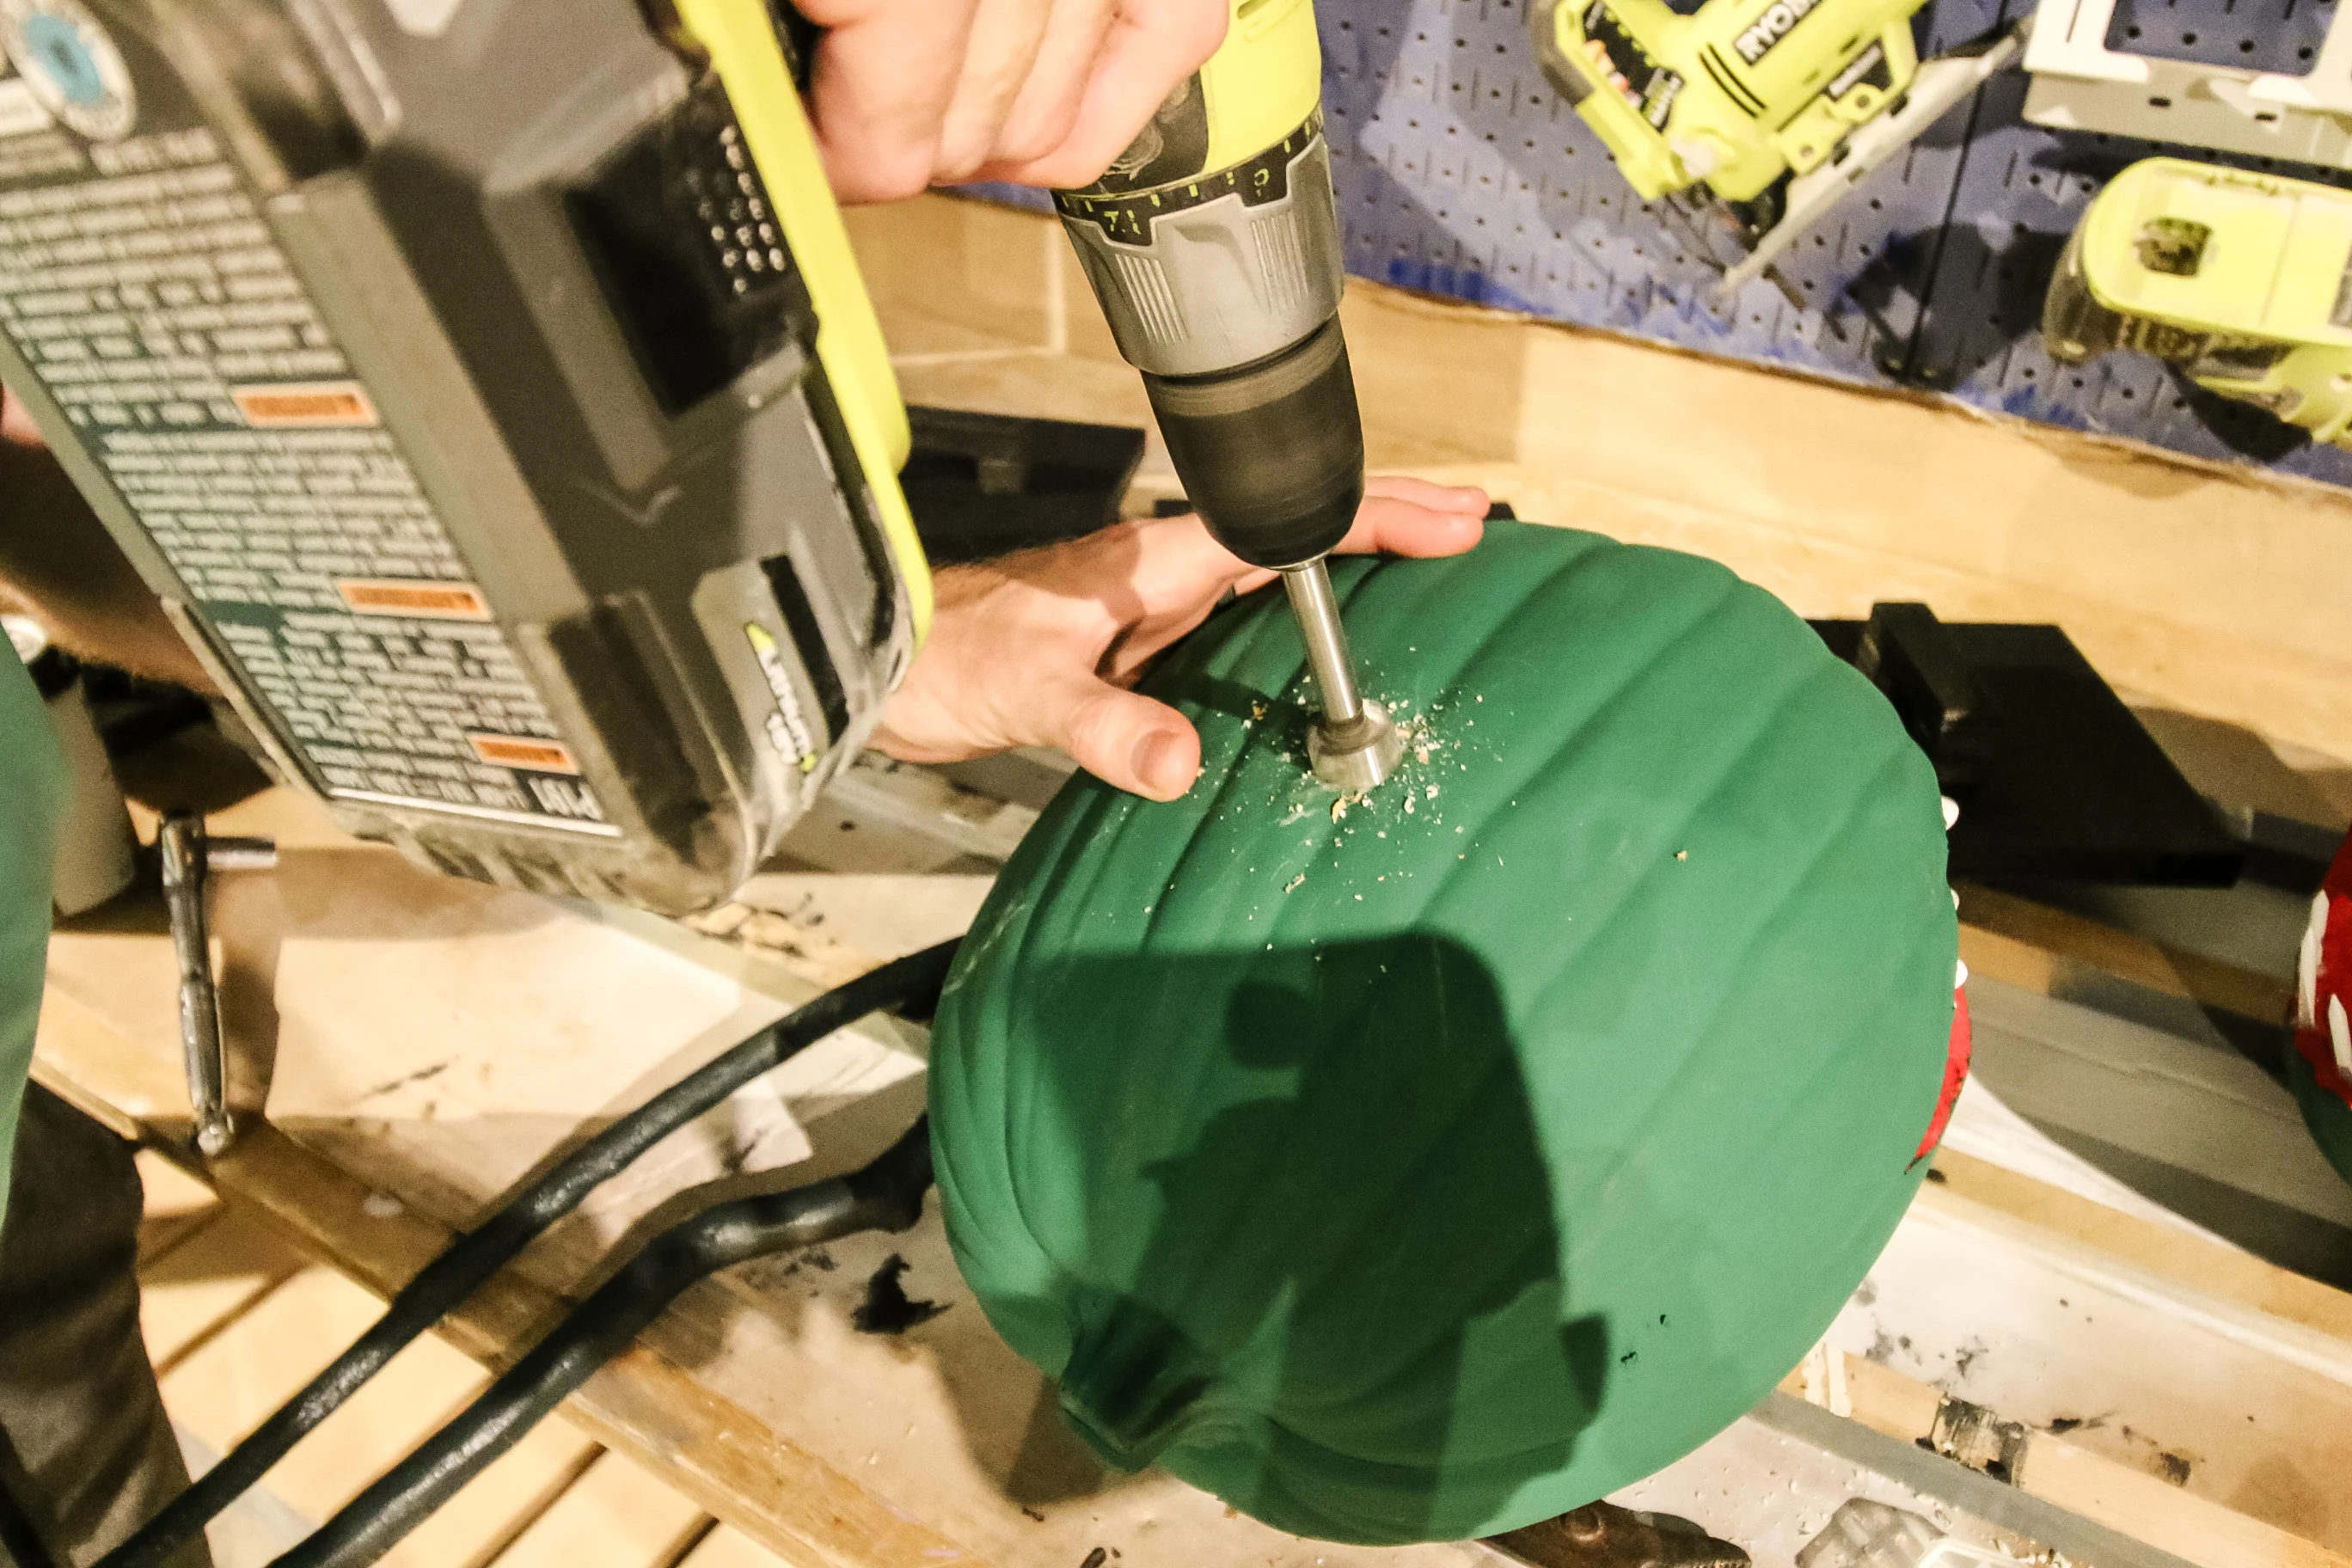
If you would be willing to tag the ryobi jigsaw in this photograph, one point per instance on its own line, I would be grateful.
(1774, 109)
(2242, 281)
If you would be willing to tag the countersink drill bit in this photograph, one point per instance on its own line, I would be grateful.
(1355, 743)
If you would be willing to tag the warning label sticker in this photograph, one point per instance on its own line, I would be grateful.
(141, 284)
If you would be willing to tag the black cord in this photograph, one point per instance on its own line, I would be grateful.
(909, 984)
(886, 1196)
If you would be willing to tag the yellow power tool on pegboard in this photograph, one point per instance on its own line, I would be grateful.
(1756, 116)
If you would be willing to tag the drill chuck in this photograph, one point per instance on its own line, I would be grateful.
(1272, 454)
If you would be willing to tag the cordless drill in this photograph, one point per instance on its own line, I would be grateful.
(1212, 243)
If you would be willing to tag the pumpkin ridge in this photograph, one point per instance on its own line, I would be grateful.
(1659, 646)
(1548, 756)
(1387, 1528)
(1194, 840)
(1890, 978)
(1006, 1093)
(1596, 923)
(1754, 930)
(1382, 572)
(1422, 908)
(1430, 1149)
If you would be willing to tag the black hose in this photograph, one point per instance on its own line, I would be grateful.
(908, 983)
(886, 1196)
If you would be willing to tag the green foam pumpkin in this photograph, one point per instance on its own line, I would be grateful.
(2329, 1119)
(1415, 1175)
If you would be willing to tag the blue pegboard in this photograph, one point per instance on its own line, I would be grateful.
(2021, 190)
(2261, 34)
(1462, 173)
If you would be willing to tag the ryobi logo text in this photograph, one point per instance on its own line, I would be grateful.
(1774, 24)
(788, 730)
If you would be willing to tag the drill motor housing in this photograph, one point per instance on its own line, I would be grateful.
(1212, 244)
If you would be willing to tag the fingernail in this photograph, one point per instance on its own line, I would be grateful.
(1156, 764)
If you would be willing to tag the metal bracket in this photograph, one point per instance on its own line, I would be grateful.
(2080, 84)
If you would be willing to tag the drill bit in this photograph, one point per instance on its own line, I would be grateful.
(1355, 743)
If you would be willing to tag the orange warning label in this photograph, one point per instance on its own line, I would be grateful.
(521, 752)
(408, 597)
(304, 406)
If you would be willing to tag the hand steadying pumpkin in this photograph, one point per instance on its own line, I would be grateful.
(1037, 649)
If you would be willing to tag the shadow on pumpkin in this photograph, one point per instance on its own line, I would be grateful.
(1328, 1266)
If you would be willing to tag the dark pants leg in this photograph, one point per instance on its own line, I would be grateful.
(85, 1451)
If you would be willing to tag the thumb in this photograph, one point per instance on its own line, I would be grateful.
(1128, 741)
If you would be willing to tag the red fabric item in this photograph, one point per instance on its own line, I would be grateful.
(1956, 1073)
(2335, 978)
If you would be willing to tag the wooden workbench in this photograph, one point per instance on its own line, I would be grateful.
(423, 1043)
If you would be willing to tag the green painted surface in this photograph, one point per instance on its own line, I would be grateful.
(31, 791)
(2329, 1119)
(1534, 1134)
